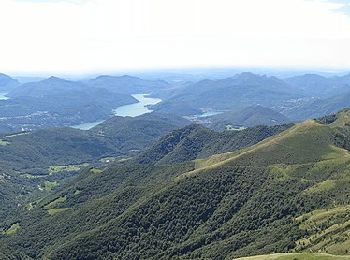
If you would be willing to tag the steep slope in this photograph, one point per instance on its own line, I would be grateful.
(27, 152)
(40, 161)
(124, 183)
(195, 141)
(7, 83)
(10, 254)
(248, 117)
(288, 192)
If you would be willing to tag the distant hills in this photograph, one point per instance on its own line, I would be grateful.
(320, 107)
(55, 102)
(7, 83)
(242, 90)
(58, 102)
(247, 117)
(329, 95)
(128, 84)
(297, 98)
(319, 86)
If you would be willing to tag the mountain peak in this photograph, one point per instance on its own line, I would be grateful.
(53, 78)
(248, 75)
(4, 76)
(124, 77)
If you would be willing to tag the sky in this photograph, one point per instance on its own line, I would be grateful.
(91, 36)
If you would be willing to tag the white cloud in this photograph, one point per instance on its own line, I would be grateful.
(104, 35)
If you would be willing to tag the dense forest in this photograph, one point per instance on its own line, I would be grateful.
(201, 194)
(217, 183)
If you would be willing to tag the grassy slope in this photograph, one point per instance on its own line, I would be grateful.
(306, 152)
(91, 186)
(271, 197)
(305, 147)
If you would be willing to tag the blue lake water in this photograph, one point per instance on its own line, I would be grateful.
(137, 109)
(3, 96)
(132, 110)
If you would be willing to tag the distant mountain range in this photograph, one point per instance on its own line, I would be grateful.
(246, 99)
(319, 86)
(247, 117)
(297, 98)
(128, 85)
(242, 90)
(57, 102)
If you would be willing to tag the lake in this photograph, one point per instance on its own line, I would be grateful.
(133, 110)
(3, 96)
(139, 108)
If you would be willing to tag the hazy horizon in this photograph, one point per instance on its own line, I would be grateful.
(67, 37)
(204, 72)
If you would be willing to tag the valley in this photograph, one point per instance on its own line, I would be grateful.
(182, 176)
(174, 130)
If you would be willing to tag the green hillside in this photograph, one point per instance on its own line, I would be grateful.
(248, 117)
(287, 193)
(195, 142)
(36, 163)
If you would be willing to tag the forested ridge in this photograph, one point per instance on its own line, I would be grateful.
(271, 194)
(36, 163)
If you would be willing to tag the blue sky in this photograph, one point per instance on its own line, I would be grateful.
(77, 36)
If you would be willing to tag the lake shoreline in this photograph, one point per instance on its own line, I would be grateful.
(3, 96)
(132, 110)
